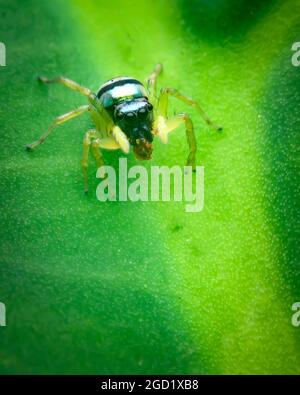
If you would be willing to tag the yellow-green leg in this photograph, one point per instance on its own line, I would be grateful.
(96, 145)
(166, 126)
(121, 139)
(91, 139)
(69, 84)
(87, 141)
(97, 153)
(58, 121)
(151, 81)
(163, 105)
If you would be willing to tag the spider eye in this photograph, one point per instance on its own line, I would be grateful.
(142, 110)
(119, 114)
(150, 107)
(130, 114)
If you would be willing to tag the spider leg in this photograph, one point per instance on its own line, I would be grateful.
(97, 153)
(107, 143)
(91, 138)
(121, 139)
(69, 84)
(151, 81)
(58, 121)
(165, 126)
(163, 105)
(87, 140)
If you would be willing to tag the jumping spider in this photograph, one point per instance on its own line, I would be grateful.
(125, 114)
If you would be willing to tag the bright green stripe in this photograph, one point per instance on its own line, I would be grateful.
(246, 306)
(227, 278)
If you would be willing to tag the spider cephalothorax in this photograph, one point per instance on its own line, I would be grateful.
(125, 99)
(127, 114)
(135, 118)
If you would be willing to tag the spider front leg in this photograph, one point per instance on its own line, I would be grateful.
(58, 121)
(118, 140)
(87, 141)
(91, 138)
(165, 126)
(163, 105)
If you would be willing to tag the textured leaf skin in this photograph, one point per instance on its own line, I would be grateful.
(145, 287)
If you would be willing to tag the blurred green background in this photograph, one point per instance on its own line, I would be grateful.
(146, 287)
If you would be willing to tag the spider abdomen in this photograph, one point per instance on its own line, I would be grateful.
(119, 89)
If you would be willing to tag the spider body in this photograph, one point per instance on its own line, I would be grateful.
(125, 114)
(125, 99)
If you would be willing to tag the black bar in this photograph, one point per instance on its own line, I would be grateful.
(144, 383)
